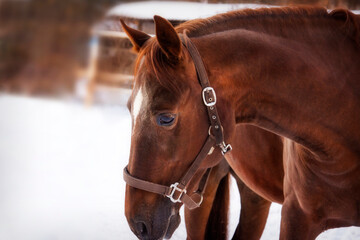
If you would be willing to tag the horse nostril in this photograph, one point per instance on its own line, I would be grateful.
(142, 229)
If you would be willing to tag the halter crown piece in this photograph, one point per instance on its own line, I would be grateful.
(176, 192)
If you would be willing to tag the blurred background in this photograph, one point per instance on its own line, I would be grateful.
(66, 71)
(44, 44)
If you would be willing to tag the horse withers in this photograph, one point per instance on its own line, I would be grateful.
(292, 71)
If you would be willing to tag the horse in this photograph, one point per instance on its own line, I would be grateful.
(291, 71)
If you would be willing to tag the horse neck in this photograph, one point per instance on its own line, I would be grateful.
(307, 91)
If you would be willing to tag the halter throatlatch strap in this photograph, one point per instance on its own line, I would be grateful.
(177, 192)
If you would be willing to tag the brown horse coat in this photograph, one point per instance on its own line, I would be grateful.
(292, 71)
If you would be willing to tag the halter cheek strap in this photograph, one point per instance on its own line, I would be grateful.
(177, 192)
(208, 94)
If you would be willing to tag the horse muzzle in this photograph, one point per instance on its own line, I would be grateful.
(152, 221)
(148, 230)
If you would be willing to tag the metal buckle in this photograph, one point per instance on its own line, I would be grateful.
(174, 188)
(225, 148)
(209, 102)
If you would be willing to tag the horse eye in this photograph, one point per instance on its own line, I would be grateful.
(166, 119)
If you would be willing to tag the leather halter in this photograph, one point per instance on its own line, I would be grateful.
(177, 191)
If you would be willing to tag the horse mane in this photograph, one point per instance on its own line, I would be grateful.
(224, 21)
(251, 19)
(246, 18)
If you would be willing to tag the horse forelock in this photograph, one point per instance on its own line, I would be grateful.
(159, 67)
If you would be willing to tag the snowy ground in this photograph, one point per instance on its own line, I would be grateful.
(61, 173)
(175, 10)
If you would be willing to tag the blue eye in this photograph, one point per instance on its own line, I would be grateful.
(165, 119)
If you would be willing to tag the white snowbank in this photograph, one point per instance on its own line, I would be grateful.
(178, 10)
(174, 10)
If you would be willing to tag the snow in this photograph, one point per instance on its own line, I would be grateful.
(178, 10)
(174, 10)
(61, 173)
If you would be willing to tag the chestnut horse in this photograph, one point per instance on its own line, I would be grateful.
(292, 71)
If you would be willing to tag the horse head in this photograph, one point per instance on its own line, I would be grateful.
(169, 127)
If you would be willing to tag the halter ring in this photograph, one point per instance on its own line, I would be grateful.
(209, 131)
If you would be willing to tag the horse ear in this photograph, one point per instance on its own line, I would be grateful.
(137, 37)
(167, 37)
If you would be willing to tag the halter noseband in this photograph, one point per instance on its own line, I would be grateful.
(177, 191)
